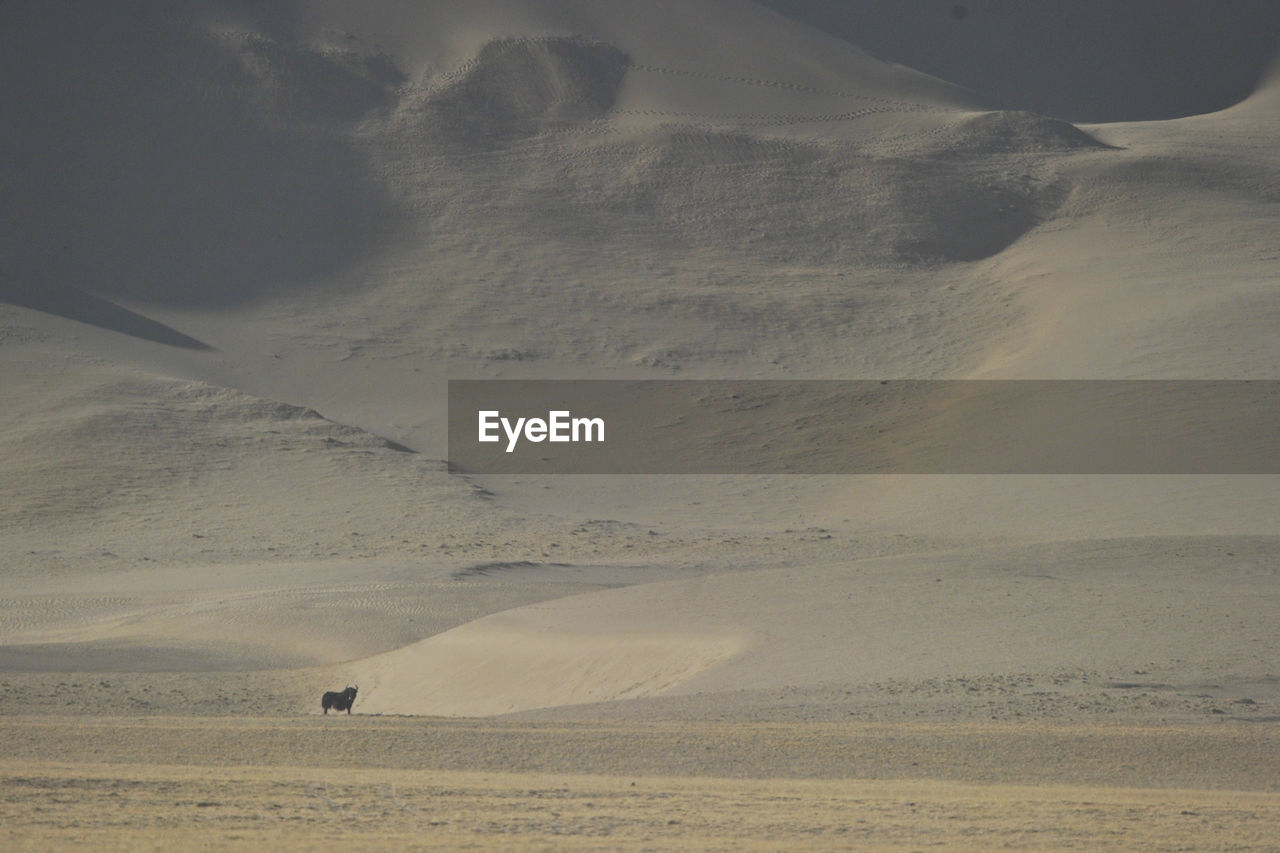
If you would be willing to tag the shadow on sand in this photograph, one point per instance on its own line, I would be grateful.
(75, 304)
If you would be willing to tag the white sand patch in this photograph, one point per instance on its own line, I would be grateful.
(514, 662)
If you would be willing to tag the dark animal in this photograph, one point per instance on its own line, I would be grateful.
(339, 701)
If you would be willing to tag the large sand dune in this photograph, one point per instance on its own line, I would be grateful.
(1164, 615)
(243, 249)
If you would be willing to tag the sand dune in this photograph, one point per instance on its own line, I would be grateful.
(244, 249)
(507, 663)
(569, 189)
(1191, 610)
(1090, 61)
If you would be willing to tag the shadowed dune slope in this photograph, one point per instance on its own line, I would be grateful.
(169, 159)
(202, 155)
(206, 158)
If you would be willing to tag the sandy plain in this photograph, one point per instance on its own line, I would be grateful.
(297, 783)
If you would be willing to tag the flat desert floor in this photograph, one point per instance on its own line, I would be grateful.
(374, 783)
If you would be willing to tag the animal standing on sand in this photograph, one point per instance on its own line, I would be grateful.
(339, 701)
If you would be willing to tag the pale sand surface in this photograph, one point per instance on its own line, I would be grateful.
(297, 809)
(291, 809)
(431, 784)
(246, 247)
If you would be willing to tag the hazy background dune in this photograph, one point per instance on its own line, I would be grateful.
(1088, 61)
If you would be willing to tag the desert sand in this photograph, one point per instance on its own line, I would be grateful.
(245, 250)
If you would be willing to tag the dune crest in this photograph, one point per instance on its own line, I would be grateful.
(516, 88)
